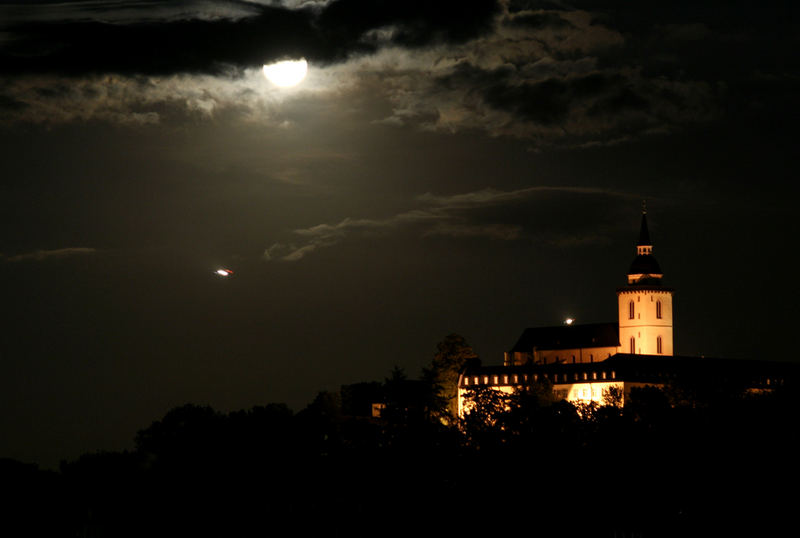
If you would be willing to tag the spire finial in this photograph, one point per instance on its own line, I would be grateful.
(644, 206)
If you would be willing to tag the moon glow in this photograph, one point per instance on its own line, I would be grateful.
(287, 73)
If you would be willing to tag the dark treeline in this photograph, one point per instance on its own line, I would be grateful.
(661, 465)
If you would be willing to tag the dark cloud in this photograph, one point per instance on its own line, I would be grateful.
(515, 6)
(415, 22)
(547, 101)
(543, 102)
(624, 99)
(540, 20)
(322, 34)
(10, 104)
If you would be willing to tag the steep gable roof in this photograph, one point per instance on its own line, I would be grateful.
(568, 337)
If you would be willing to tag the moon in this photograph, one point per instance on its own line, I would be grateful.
(287, 73)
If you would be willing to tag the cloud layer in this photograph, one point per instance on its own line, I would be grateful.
(457, 216)
(43, 255)
(222, 34)
(581, 75)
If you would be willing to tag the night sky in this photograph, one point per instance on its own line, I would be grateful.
(445, 166)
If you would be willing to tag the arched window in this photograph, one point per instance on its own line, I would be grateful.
(658, 309)
(633, 345)
(630, 310)
(658, 345)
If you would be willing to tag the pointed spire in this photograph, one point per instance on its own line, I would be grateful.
(644, 234)
(644, 268)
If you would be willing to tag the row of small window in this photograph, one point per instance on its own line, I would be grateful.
(556, 378)
(632, 310)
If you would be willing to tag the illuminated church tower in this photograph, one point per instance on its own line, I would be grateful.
(645, 306)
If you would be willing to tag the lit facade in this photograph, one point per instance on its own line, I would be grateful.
(603, 362)
(644, 305)
(643, 327)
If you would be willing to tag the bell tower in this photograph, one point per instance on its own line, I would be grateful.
(645, 305)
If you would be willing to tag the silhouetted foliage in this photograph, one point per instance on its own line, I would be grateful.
(28, 494)
(452, 355)
(524, 459)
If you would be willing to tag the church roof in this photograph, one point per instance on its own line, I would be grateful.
(644, 234)
(644, 264)
(568, 337)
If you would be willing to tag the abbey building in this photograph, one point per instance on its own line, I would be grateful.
(587, 363)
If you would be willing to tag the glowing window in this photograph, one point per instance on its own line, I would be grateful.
(494, 380)
(594, 375)
(658, 309)
(630, 310)
(466, 381)
(505, 380)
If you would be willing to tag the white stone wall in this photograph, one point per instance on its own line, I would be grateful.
(646, 326)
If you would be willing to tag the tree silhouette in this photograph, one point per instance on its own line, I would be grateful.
(452, 355)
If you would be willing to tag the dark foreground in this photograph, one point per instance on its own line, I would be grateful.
(654, 468)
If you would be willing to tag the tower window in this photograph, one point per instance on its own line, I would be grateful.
(658, 309)
(633, 345)
(630, 310)
(658, 345)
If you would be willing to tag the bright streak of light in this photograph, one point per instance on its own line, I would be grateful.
(223, 272)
